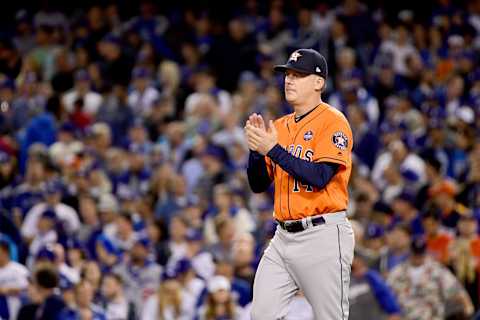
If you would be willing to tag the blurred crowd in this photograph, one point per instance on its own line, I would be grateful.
(123, 190)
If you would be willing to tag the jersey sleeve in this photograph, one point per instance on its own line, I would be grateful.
(334, 142)
(269, 164)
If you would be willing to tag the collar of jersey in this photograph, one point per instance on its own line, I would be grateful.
(306, 115)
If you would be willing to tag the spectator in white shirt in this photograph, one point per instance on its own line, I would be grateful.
(13, 281)
(116, 305)
(144, 94)
(92, 100)
(219, 303)
(64, 213)
(45, 235)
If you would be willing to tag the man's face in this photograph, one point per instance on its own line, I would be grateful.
(109, 287)
(299, 87)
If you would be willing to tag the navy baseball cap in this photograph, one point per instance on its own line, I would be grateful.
(307, 61)
(46, 253)
(418, 246)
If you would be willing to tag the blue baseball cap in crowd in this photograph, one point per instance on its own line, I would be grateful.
(374, 231)
(46, 253)
(111, 38)
(144, 241)
(307, 61)
(53, 186)
(418, 246)
(194, 235)
(183, 265)
(7, 83)
(82, 75)
(140, 73)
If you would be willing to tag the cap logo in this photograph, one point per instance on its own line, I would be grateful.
(294, 56)
(318, 70)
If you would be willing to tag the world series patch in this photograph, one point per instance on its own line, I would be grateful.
(340, 140)
(308, 135)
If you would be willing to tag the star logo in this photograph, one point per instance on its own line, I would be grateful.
(295, 56)
(340, 140)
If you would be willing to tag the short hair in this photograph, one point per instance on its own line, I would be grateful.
(46, 277)
(115, 276)
(4, 245)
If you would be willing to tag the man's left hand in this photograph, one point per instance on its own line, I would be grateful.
(261, 140)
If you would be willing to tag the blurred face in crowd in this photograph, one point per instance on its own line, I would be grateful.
(75, 257)
(237, 29)
(178, 229)
(84, 294)
(398, 239)
(401, 35)
(222, 198)
(110, 287)
(398, 150)
(82, 86)
(455, 87)
(88, 210)
(226, 232)
(402, 208)
(137, 161)
(300, 88)
(364, 206)
(430, 225)
(124, 226)
(141, 83)
(221, 296)
(346, 59)
(139, 253)
(375, 244)
(35, 171)
(467, 227)
(92, 274)
(223, 268)
(45, 224)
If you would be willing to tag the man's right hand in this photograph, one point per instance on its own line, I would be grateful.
(254, 120)
(257, 121)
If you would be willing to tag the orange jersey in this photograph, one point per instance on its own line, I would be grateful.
(438, 247)
(323, 135)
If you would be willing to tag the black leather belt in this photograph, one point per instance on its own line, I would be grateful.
(297, 225)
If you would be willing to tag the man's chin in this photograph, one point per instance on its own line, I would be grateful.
(290, 98)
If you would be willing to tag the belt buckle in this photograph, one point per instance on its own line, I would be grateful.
(287, 225)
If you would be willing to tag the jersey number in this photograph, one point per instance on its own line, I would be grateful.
(296, 151)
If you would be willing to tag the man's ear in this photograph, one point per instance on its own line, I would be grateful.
(320, 83)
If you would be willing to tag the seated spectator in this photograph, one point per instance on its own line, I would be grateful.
(370, 296)
(219, 302)
(168, 302)
(140, 274)
(423, 286)
(13, 283)
(465, 256)
(47, 304)
(115, 304)
(438, 238)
